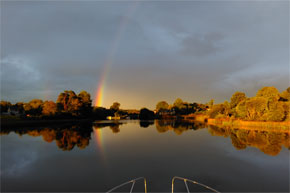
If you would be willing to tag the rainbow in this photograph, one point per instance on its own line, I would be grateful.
(99, 94)
(100, 143)
(99, 137)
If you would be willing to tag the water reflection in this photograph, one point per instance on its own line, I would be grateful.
(67, 137)
(178, 127)
(269, 142)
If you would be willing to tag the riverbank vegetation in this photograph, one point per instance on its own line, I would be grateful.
(267, 105)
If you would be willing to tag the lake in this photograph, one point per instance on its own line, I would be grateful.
(98, 157)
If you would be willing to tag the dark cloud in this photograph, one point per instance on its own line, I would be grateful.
(159, 50)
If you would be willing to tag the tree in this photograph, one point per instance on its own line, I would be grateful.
(276, 112)
(241, 111)
(179, 104)
(69, 102)
(19, 107)
(5, 105)
(34, 107)
(64, 100)
(237, 98)
(267, 92)
(115, 106)
(256, 107)
(86, 103)
(211, 102)
(285, 95)
(162, 105)
(146, 114)
(219, 110)
(49, 108)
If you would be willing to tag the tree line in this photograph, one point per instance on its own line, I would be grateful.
(71, 105)
(268, 105)
(68, 104)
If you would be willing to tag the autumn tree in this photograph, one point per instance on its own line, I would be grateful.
(49, 108)
(219, 110)
(276, 112)
(267, 92)
(210, 103)
(34, 107)
(285, 95)
(256, 107)
(85, 99)
(240, 110)
(68, 102)
(162, 105)
(179, 104)
(237, 98)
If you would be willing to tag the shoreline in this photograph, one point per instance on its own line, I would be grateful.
(250, 125)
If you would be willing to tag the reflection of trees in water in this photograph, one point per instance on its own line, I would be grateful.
(177, 126)
(114, 126)
(146, 124)
(66, 137)
(269, 142)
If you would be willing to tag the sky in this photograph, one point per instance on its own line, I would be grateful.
(144, 51)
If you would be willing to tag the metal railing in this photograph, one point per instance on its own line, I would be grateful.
(186, 185)
(172, 184)
(132, 187)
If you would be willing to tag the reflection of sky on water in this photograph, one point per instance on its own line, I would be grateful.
(36, 165)
(19, 162)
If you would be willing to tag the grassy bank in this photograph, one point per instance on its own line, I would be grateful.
(228, 122)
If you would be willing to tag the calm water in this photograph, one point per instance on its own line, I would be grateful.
(96, 158)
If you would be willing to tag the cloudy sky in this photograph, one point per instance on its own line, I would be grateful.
(151, 51)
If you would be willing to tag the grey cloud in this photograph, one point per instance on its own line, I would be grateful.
(159, 50)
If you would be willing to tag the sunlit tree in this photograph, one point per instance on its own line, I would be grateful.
(162, 105)
(237, 98)
(49, 108)
(285, 95)
(256, 107)
(268, 92)
(34, 107)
